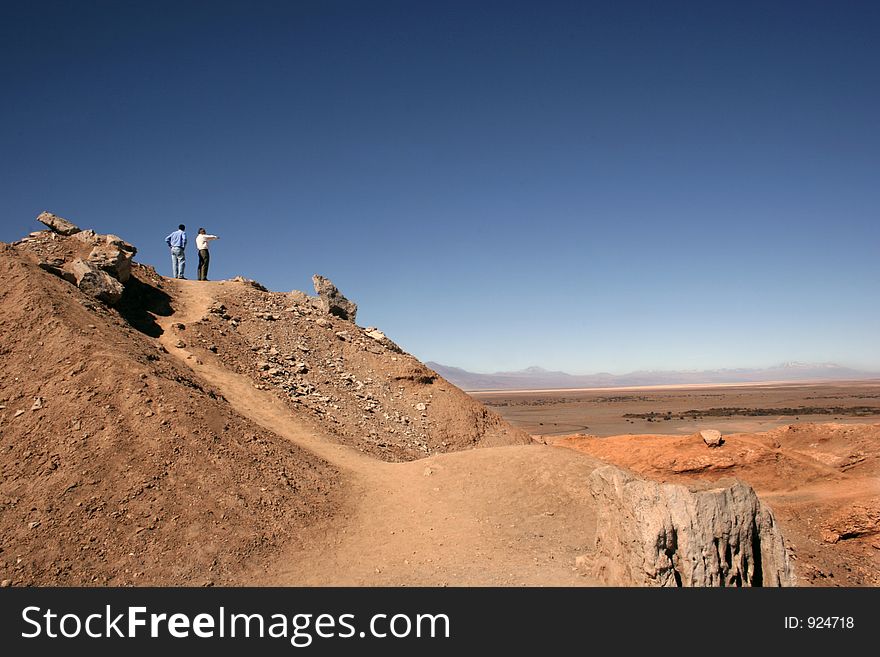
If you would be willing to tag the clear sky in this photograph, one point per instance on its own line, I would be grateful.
(586, 186)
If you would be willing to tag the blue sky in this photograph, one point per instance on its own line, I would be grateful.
(586, 186)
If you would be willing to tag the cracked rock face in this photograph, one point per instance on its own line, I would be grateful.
(653, 534)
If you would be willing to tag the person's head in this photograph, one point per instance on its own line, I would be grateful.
(201, 231)
(182, 227)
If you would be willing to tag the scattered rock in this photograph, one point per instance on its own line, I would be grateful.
(326, 323)
(653, 534)
(38, 404)
(249, 281)
(180, 344)
(331, 299)
(179, 326)
(300, 298)
(829, 536)
(421, 406)
(712, 437)
(375, 333)
(58, 224)
(6, 583)
(96, 283)
(17, 413)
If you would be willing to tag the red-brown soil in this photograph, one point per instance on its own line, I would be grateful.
(215, 433)
(132, 470)
(154, 460)
(821, 480)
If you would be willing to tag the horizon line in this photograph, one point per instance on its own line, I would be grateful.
(678, 386)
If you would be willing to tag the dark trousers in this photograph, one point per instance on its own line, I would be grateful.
(204, 259)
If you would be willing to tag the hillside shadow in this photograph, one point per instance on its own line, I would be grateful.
(140, 303)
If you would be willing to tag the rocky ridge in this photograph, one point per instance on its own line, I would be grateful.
(354, 382)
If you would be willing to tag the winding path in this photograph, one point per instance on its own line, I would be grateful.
(515, 515)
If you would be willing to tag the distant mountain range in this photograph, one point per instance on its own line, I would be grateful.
(536, 378)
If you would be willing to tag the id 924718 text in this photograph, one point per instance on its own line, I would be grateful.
(820, 623)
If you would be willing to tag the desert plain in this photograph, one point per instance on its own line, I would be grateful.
(683, 410)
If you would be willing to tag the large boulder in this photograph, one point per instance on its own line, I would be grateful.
(113, 255)
(58, 224)
(653, 534)
(331, 300)
(96, 283)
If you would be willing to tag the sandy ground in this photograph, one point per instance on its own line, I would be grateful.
(495, 516)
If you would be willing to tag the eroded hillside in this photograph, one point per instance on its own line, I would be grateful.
(118, 465)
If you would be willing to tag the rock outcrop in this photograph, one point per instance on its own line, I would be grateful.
(58, 224)
(654, 534)
(331, 299)
(96, 283)
(113, 255)
(98, 264)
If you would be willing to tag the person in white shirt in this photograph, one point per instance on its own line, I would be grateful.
(202, 240)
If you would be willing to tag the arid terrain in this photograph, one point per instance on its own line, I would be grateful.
(808, 450)
(682, 410)
(171, 432)
(198, 433)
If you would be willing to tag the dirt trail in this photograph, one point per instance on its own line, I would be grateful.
(514, 515)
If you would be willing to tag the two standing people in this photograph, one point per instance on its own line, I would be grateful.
(176, 241)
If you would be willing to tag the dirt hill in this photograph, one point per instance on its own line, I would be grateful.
(119, 466)
(157, 431)
(351, 382)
